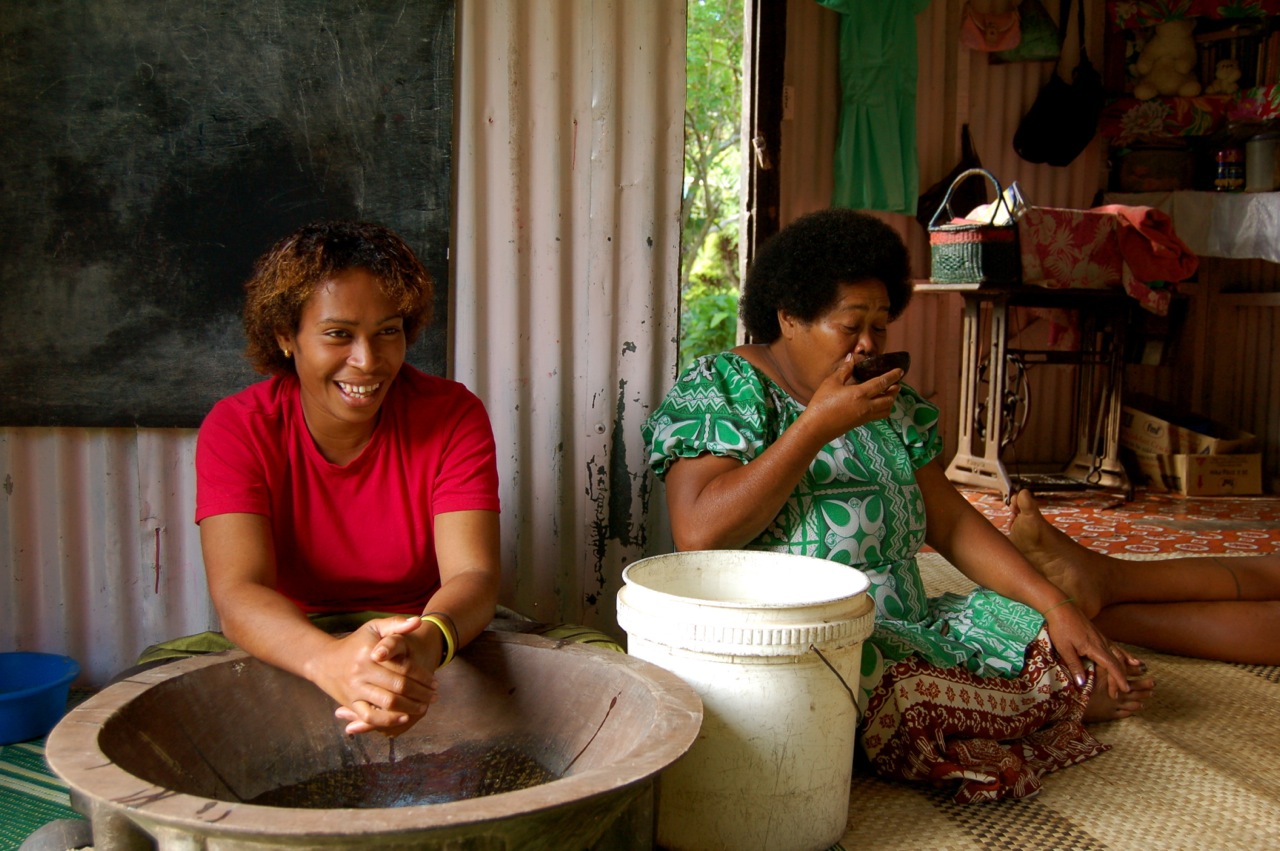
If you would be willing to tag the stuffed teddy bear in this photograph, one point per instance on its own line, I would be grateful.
(1226, 79)
(1167, 62)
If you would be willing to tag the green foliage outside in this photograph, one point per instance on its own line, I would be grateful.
(711, 204)
(709, 302)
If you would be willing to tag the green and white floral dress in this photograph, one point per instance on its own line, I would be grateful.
(859, 504)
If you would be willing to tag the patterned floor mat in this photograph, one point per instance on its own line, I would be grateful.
(1152, 522)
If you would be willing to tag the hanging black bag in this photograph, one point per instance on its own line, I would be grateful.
(1064, 118)
(972, 193)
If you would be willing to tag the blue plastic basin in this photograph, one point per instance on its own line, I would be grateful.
(33, 693)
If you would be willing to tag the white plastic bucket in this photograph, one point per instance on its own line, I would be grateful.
(772, 643)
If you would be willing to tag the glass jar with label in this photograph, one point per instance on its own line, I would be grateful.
(1230, 175)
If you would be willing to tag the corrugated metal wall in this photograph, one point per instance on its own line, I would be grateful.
(1224, 365)
(100, 554)
(570, 161)
(956, 86)
(1241, 386)
(568, 155)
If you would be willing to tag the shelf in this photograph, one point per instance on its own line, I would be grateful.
(1127, 120)
(1027, 295)
(1248, 299)
(924, 285)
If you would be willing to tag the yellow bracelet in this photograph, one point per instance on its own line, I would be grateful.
(1045, 613)
(444, 623)
(452, 629)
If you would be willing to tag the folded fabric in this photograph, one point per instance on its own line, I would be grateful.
(1150, 245)
(1239, 225)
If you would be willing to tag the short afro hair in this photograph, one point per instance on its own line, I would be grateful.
(286, 276)
(801, 268)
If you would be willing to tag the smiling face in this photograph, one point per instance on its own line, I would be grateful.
(348, 346)
(857, 322)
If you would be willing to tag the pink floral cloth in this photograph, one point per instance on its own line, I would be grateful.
(1115, 245)
(1128, 14)
(1129, 120)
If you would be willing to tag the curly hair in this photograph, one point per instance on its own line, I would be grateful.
(801, 268)
(286, 276)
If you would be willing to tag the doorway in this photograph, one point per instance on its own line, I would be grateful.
(710, 209)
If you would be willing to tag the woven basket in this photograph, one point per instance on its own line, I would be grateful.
(974, 252)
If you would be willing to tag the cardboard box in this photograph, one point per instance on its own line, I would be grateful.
(1197, 475)
(1156, 428)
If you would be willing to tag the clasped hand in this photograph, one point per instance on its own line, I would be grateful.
(1076, 638)
(382, 675)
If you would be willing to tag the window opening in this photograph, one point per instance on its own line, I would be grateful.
(711, 206)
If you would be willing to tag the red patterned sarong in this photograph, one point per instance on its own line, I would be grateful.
(996, 736)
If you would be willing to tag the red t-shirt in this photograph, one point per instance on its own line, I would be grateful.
(355, 537)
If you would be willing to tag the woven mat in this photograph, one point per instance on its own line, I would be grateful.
(30, 794)
(1199, 768)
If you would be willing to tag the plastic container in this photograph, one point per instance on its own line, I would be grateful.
(33, 693)
(773, 645)
(1262, 163)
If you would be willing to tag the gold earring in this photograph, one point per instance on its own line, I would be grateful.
(286, 354)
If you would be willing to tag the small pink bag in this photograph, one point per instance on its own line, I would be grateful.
(990, 32)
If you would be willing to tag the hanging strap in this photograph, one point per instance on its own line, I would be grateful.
(1066, 72)
(967, 153)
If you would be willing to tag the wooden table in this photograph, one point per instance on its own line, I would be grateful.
(982, 435)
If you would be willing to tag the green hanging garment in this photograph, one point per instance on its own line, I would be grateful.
(875, 161)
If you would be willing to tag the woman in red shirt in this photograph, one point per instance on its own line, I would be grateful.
(348, 482)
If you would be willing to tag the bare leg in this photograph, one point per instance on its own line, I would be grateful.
(1096, 580)
(1245, 632)
(1224, 608)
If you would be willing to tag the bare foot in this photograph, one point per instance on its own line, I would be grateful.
(1103, 707)
(1079, 572)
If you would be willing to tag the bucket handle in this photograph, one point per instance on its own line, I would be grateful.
(837, 673)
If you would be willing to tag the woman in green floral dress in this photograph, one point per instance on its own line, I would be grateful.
(774, 446)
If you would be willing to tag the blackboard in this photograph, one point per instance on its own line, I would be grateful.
(150, 152)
